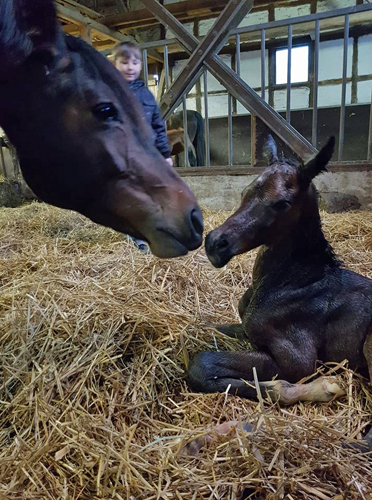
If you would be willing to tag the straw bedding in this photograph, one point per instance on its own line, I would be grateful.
(94, 405)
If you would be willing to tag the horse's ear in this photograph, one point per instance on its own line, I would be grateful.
(26, 28)
(270, 150)
(316, 165)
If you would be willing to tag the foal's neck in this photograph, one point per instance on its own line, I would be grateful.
(301, 254)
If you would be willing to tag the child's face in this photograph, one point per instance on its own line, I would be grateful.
(130, 68)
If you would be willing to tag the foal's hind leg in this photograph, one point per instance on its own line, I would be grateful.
(236, 330)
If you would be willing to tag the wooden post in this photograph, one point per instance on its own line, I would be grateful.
(86, 33)
(3, 166)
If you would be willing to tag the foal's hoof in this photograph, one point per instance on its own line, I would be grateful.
(328, 389)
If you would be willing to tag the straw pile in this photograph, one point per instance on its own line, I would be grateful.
(94, 404)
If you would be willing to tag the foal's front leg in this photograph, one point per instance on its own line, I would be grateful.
(236, 330)
(218, 371)
(233, 371)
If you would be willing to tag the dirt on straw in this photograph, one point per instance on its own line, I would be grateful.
(95, 338)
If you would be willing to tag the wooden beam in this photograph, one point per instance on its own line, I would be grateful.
(242, 170)
(81, 8)
(74, 16)
(184, 10)
(85, 32)
(143, 16)
(236, 86)
(215, 39)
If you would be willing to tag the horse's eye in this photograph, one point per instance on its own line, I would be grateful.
(106, 112)
(281, 205)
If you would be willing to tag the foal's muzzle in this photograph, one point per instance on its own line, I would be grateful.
(218, 248)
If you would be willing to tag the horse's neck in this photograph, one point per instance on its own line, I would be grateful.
(301, 256)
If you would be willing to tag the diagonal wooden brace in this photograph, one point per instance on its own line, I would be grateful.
(212, 43)
(234, 84)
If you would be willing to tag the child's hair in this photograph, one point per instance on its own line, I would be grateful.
(126, 50)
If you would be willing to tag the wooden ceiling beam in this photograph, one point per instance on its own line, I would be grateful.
(187, 9)
(81, 8)
(75, 17)
(72, 15)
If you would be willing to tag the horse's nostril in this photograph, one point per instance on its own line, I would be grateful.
(222, 243)
(197, 221)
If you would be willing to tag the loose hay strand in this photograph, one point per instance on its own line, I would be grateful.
(95, 340)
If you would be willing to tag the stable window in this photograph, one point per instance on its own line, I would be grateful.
(299, 65)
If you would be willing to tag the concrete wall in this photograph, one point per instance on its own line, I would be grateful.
(222, 192)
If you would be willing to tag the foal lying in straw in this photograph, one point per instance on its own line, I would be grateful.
(303, 306)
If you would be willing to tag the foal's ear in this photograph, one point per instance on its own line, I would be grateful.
(27, 27)
(318, 164)
(270, 150)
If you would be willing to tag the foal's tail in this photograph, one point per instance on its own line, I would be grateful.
(199, 140)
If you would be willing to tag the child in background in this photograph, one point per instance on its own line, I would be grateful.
(128, 60)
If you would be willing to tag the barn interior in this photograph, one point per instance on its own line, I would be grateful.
(96, 338)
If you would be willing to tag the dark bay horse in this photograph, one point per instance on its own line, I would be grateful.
(195, 132)
(303, 306)
(80, 136)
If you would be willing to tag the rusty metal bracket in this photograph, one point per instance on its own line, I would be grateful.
(234, 84)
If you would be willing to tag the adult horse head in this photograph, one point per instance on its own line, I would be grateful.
(80, 136)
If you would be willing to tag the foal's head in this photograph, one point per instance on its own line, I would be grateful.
(80, 135)
(271, 206)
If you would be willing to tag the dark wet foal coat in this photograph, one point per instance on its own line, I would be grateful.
(303, 306)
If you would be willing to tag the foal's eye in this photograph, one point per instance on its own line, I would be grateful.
(106, 112)
(281, 205)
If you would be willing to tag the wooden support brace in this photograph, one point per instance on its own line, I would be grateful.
(74, 16)
(234, 84)
(212, 43)
(85, 32)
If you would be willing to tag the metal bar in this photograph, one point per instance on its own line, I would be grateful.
(237, 54)
(185, 131)
(303, 19)
(229, 130)
(206, 121)
(252, 101)
(315, 84)
(166, 67)
(253, 140)
(272, 24)
(369, 157)
(263, 64)
(235, 85)
(289, 69)
(145, 68)
(341, 135)
(212, 43)
(160, 43)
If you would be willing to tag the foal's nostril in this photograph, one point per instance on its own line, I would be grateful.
(222, 243)
(196, 218)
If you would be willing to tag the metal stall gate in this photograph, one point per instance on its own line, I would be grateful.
(204, 58)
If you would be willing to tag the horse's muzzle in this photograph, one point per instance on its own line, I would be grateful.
(175, 241)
